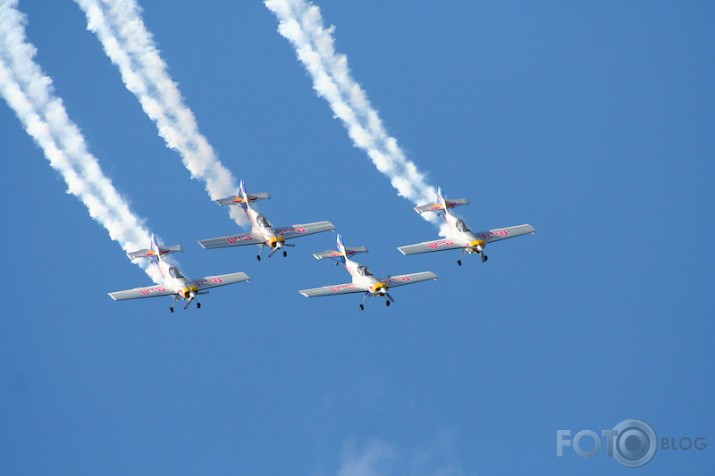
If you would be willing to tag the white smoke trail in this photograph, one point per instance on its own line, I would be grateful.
(126, 41)
(301, 23)
(29, 92)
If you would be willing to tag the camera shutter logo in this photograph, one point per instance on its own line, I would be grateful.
(632, 442)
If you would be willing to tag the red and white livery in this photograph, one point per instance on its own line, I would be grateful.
(363, 280)
(174, 283)
(262, 232)
(459, 235)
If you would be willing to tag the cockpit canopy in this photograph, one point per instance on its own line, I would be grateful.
(461, 226)
(175, 273)
(263, 221)
(363, 271)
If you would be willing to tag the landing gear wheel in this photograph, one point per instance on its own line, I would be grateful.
(484, 258)
(258, 257)
(198, 305)
(387, 303)
(171, 309)
(362, 307)
(285, 253)
(459, 262)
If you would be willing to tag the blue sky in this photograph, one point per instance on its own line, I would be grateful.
(590, 120)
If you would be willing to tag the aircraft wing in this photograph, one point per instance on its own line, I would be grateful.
(499, 234)
(231, 240)
(333, 290)
(403, 279)
(221, 280)
(146, 292)
(430, 246)
(296, 231)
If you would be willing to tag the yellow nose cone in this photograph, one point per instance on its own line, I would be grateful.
(379, 287)
(476, 243)
(186, 292)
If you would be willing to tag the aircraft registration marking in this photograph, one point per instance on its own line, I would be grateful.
(337, 289)
(495, 233)
(236, 239)
(441, 243)
(159, 289)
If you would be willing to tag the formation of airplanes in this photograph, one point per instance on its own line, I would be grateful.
(458, 237)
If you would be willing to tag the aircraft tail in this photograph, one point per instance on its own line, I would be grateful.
(155, 252)
(242, 192)
(243, 198)
(341, 246)
(342, 253)
(442, 204)
(440, 199)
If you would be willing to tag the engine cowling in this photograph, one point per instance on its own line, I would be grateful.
(380, 288)
(477, 245)
(188, 291)
(276, 241)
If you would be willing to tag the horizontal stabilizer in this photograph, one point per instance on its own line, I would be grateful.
(163, 250)
(335, 254)
(437, 207)
(238, 200)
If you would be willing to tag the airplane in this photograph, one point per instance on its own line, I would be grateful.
(363, 280)
(175, 283)
(459, 235)
(262, 232)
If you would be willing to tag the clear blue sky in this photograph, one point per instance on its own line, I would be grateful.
(593, 121)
